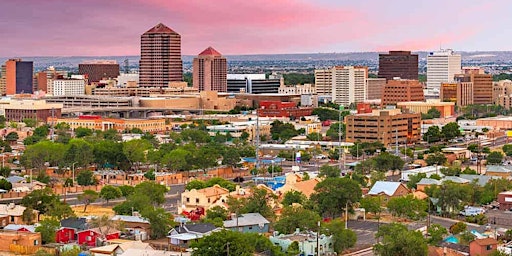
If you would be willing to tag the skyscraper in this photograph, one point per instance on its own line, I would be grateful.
(401, 64)
(210, 71)
(323, 82)
(441, 67)
(160, 57)
(349, 84)
(18, 76)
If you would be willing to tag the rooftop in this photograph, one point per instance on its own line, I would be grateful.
(387, 187)
(248, 219)
(210, 52)
(160, 28)
(129, 218)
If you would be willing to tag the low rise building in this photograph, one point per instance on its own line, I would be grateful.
(137, 226)
(13, 214)
(505, 200)
(248, 223)
(182, 235)
(16, 110)
(19, 242)
(282, 109)
(483, 247)
(294, 182)
(201, 198)
(237, 129)
(446, 109)
(388, 189)
(309, 242)
(103, 124)
(503, 171)
(386, 126)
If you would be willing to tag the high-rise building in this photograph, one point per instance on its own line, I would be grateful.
(503, 93)
(99, 69)
(401, 64)
(18, 76)
(482, 87)
(252, 83)
(442, 66)
(160, 57)
(210, 71)
(401, 90)
(349, 84)
(374, 88)
(68, 87)
(323, 82)
(3, 82)
(387, 126)
(459, 92)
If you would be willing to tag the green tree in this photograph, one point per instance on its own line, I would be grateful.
(314, 136)
(218, 243)
(231, 157)
(507, 149)
(178, 159)
(110, 192)
(495, 157)
(342, 238)
(48, 228)
(217, 212)
(135, 151)
(333, 131)
(154, 191)
(28, 216)
(414, 179)
(296, 217)
(292, 197)
(407, 206)
(436, 234)
(433, 134)
(126, 190)
(35, 156)
(436, 158)
(329, 171)
(81, 132)
(5, 185)
(80, 152)
(244, 136)
(85, 178)
(333, 195)
(2, 121)
(371, 204)
(88, 197)
(458, 228)
(5, 171)
(109, 152)
(466, 237)
(258, 203)
(293, 249)
(12, 137)
(396, 239)
(150, 175)
(450, 131)
(195, 184)
(160, 221)
(30, 122)
(325, 114)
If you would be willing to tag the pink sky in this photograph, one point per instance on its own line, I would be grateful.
(113, 27)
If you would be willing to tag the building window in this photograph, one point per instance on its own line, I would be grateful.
(36, 242)
(489, 247)
(12, 218)
(197, 200)
(188, 200)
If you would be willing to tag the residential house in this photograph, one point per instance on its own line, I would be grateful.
(182, 235)
(95, 236)
(503, 171)
(481, 180)
(15, 179)
(427, 182)
(505, 200)
(14, 241)
(135, 225)
(427, 170)
(21, 228)
(308, 242)
(201, 198)
(482, 247)
(12, 214)
(248, 223)
(294, 182)
(455, 179)
(69, 228)
(139, 252)
(119, 249)
(28, 186)
(388, 189)
(444, 251)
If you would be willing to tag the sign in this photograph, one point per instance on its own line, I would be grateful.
(297, 157)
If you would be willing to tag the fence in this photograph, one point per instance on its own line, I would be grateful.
(23, 249)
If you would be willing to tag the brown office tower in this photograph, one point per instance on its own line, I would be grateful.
(386, 126)
(210, 71)
(459, 92)
(99, 69)
(160, 57)
(482, 87)
(401, 90)
(18, 77)
(401, 64)
(374, 88)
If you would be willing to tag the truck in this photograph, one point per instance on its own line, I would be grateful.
(472, 211)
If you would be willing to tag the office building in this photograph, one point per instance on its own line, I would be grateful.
(104, 124)
(160, 57)
(210, 70)
(401, 64)
(459, 92)
(323, 82)
(374, 88)
(442, 66)
(472, 70)
(387, 126)
(401, 90)
(349, 84)
(68, 87)
(252, 83)
(447, 109)
(282, 109)
(297, 89)
(502, 93)
(44, 79)
(17, 110)
(98, 70)
(18, 77)
(482, 87)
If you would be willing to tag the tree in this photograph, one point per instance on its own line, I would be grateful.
(80, 152)
(218, 243)
(134, 151)
(126, 190)
(30, 122)
(407, 206)
(436, 159)
(258, 203)
(433, 134)
(40, 200)
(293, 249)
(495, 157)
(431, 113)
(217, 212)
(296, 217)
(231, 157)
(466, 237)
(28, 216)
(458, 228)
(110, 192)
(450, 131)
(436, 234)
(342, 238)
(82, 132)
(333, 195)
(150, 175)
(88, 197)
(85, 178)
(160, 221)
(154, 191)
(5, 185)
(314, 136)
(293, 197)
(274, 169)
(47, 228)
(333, 131)
(414, 179)
(35, 156)
(12, 137)
(371, 204)
(109, 152)
(396, 239)
(195, 184)
(329, 171)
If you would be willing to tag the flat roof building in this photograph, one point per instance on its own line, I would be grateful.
(98, 70)
(401, 64)
(18, 77)
(447, 109)
(374, 88)
(252, 84)
(400, 90)
(442, 66)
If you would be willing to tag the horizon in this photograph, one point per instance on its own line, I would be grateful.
(237, 27)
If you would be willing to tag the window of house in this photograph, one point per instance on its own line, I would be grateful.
(488, 247)
(197, 200)
(12, 218)
(250, 227)
(36, 242)
(188, 200)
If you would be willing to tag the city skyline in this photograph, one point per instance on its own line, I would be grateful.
(93, 28)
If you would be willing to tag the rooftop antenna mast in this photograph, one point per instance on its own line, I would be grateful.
(126, 66)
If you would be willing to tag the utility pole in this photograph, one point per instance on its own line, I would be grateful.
(227, 248)
(339, 136)
(318, 240)
(257, 141)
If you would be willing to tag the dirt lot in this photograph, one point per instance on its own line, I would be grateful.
(96, 210)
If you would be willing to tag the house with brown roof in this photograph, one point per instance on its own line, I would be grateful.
(201, 198)
(482, 247)
(12, 214)
(388, 189)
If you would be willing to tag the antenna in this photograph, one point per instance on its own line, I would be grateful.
(126, 66)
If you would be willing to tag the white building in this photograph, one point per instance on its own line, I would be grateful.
(323, 82)
(441, 67)
(68, 87)
(349, 84)
(124, 78)
(297, 89)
